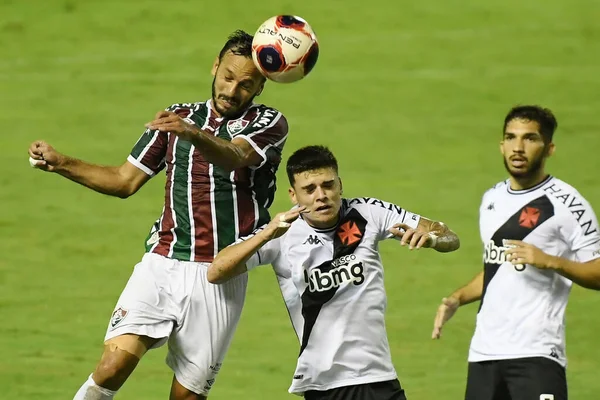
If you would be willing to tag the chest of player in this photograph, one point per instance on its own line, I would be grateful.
(316, 267)
(184, 160)
(530, 217)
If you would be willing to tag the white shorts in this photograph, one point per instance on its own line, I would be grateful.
(172, 300)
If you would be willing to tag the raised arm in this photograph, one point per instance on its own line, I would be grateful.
(242, 151)
(233, 260)
(119, 181)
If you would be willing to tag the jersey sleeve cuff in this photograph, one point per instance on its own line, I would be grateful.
(139, 165)
(257, 149)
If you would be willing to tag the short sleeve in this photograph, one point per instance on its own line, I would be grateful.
(581, 232)
(148, 154)
(267, 135)
(267, 254)
(386, 215)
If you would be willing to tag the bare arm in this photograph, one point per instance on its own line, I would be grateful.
(231, 261)
(432, 234)
(469, 293)
(119, 181)
(586, 274)
(228, 155)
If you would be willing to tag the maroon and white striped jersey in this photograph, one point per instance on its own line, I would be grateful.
(207, 208)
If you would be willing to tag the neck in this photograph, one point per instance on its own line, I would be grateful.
(526, 182)
(323, 225)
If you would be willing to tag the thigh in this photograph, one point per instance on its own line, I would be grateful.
(484, 382)
(144, 307)
(388, 390)
(198, 346)
(535, 378)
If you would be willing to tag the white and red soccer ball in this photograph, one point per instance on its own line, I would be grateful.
(285, 48)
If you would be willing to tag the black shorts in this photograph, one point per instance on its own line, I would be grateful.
(535, 378)
(389, 390)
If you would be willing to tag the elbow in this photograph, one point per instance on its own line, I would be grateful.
(213, 276)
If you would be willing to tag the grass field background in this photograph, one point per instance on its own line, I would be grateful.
(409, 95)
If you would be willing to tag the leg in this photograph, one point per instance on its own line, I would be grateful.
(536, 378)
(199, 343)
(484, 382)
(143, 319)
(120, 357)
(178, 392)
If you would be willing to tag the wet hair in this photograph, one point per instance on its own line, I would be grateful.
(543, 116)
(239, 43)
(310, 158)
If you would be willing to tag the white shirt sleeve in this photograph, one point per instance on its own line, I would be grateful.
(387, 215)
(266, 255)
(580, 231)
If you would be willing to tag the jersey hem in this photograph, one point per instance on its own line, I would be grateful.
(481, 358)
(299, 390)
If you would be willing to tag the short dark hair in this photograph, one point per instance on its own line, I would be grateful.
(543, 116)
(310, 158)
(239, 43)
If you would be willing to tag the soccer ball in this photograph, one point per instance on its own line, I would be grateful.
(285, 48)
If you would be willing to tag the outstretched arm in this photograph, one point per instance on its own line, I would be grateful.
(119, 181)
(428, 233)
(231, 261)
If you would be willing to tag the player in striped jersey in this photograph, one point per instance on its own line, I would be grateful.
(220, 158)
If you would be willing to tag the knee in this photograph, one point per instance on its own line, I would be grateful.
(114, 368)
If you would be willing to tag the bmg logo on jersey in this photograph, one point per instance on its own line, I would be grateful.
(344, 269)
(497, 255)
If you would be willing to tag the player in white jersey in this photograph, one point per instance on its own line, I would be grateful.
(539, 236)
(331, 276)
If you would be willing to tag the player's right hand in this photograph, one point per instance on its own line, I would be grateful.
(281, 223)
(47, 158)
(445, 311)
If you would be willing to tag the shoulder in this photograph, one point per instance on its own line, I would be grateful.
(497, 188)
(371, 205)
(565, 197)
(260, 116)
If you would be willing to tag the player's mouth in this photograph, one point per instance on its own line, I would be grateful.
(227, 103)
(322, 209)
(518, 161)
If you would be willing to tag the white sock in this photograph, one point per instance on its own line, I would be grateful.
(91, 391)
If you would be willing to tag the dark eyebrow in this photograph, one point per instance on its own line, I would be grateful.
(308, 186)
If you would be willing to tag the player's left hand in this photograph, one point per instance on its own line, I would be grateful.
(519, 252)
(167, 121)
(414, 238)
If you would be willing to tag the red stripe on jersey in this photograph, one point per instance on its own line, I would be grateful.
(167, 223)
(201, 206)
(245, 202)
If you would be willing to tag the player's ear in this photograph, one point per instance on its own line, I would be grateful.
(292, 194)
(550, 149)
(341, 186)
(502, 147)
(215, 66)
(260, 88)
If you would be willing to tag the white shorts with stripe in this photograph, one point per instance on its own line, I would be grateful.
(173, 301)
